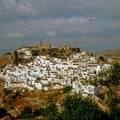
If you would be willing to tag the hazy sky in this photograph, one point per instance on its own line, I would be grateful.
(89, 24)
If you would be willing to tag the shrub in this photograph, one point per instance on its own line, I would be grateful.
(26, 113)
(67, 89)
(37, 112)
(16, 59)
(34, 52)
(3, 112)
(7, 92)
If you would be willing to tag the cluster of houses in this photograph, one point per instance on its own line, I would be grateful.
(48, 73)
(27, 52)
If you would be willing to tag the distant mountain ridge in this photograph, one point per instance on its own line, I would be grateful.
(114, 54)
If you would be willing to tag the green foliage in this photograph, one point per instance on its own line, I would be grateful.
(16, 95)
(34, 52)
(38, 112)
(75, 106)
(3, 112)
(53, 54)
(8, 53)
(7, 92)
(100, 95)
(111, 101)
(51, 112)
(101, 58)
(26, 113)
(115, 114)
(77, 50)
(67, 89)
(115, 74)
(110, 77)
(16, 60)
(114, 107)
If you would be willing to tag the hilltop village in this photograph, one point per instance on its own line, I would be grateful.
(47, 67)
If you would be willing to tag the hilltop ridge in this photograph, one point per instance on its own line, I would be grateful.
(26, 53)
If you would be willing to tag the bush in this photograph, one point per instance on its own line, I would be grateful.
(38, 112)
(67, 89)
(101, 96)
(16, 59)
(8, 53)
(78, 108)
(3, 112)
(26, 113)
(16, 95)
(51, 112)
(115, 114)
(34, 52)
(101, 58)
(7, 92)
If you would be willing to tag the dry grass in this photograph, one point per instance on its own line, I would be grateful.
(6, 59)
(114, 54)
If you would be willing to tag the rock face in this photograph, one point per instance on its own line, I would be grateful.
(6, 59)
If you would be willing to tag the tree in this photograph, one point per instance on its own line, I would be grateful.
(34, 52)
(67, 89)
(115, 74)
(16, 60)
(77, 107)
(74, 107)
(115, 114)
(3, 112)
(110, 79)
(101, 58)
(38, 112)
(16, 95)
(26, 113)
(51, 112)
(7, 91)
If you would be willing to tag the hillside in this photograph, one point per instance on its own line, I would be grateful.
(6, 59)
(114, 54)
(32, 75)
